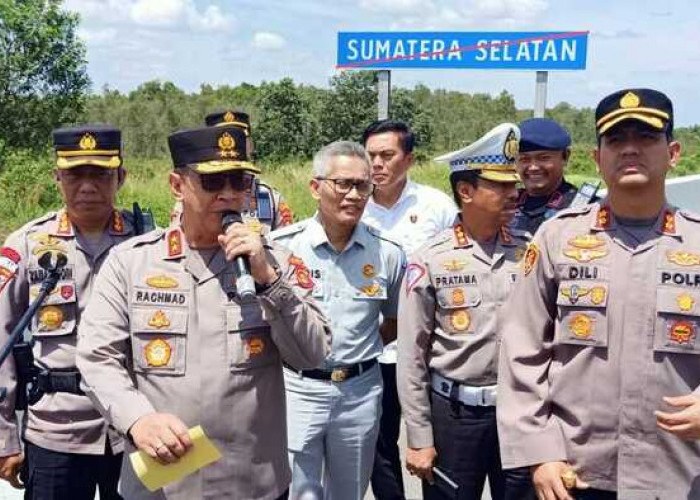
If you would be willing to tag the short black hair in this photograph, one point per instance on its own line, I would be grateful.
(406, 136)
(468, 176)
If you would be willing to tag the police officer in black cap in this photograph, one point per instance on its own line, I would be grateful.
(69, 450)
(544, 152)
(268, 205)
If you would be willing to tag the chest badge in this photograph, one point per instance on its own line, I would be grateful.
(682, 258)
(460, 320)
(586, 241)
(598, 294)
(686, 302)
(371, 290)
(681, 332)
(585, 254)
(574, 292)
(458, 297)
(368, 271)
(158, 352)
(51, 317)
(454, 265)
(581, 325)
(162, 281)
(159, 320)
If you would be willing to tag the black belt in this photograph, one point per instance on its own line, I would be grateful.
(59, 381)
(339, 374)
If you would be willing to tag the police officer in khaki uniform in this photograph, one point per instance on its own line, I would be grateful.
(449, 341)
(600, 365)
(69, 449)
(167, 344)
(267, 205)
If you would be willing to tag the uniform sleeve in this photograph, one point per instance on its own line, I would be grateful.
(528, 432)
(298, 327)
(396, 264)
(14, 301)
(415, 325)
(103, 346)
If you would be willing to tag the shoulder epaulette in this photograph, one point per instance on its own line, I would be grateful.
(287, 231)
(37, 221)
(573, 211)
(143, 239)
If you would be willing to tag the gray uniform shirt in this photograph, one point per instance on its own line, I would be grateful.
(59, 421)
(448, 319)
(595, 334)
(165, 332)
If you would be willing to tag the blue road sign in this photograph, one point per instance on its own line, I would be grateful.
(468, 50)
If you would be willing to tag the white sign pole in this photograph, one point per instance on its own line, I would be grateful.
(540, 93)
(383, 94)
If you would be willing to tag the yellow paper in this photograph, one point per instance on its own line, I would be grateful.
(153, 475)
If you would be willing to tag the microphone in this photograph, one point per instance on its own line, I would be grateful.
(245, 285)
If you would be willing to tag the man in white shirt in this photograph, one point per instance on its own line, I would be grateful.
(410, 214)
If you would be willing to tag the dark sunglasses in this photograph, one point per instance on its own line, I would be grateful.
(239, 181)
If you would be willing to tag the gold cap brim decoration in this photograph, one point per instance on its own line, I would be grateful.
(214, 167)
(649, 119)
(500, 175)
(65, 162)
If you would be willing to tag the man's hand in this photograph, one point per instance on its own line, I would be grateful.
(387, 330)
(162, 436)
(10, 468)
(684, 423)
(548, 482)
(419, 462)
(242, 240)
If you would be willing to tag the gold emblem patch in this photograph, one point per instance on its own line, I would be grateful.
(454, 265)
(87, 142)
(574, 292)
(682, 258)
(460, 320)
(598, 294)
(162, 281)
(581, 325)
(532, 255)
(158, 352)
(368, 270)
(159, 320)
(458, 297)
(51, 317)
(629, 100)
(371, 290)
(586, 241)
(47, 243)
(681, 332)
(228, 117)
(511, 147)
(686, 302)
(227, 146)
(585, 255)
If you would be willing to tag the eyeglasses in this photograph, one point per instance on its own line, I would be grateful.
(239, 181)
(344, 186)
(79, 174)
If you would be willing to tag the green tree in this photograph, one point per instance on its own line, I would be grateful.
(349, 106)
(43, 77)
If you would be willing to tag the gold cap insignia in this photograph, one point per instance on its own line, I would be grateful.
(227, 146)
(51, 317)
(159, 320)
(511, 147)
(460, 320)
(586, 241)
(458, 297)
(686, 302)
(682, 258)
(681, 332)
(229, 117)
(598, 294)
(629, 100)
(532, 254)
(162, 281)
(88, 142)
(158, 352)
(581, 325)
(368, 270)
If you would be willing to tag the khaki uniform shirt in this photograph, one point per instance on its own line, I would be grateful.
(60, 421)
(447, 318)
(165, 332)
(595, 334)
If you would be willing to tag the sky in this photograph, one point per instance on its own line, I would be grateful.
(190, 42)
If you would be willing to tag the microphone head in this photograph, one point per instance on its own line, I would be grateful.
(50, 261)
(229, 217)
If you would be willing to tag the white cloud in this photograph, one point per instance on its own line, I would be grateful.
(268, 41)
(98, 36)
(212, 19)
(396, 6)
(159, 12)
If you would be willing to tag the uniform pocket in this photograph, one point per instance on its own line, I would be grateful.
(249, 341)
(57, 315)
(159, 340)
(458, 307)
(677, 321)
(583, 313)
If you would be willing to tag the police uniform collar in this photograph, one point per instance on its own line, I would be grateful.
(666, 224)
(174, 242)
(459, 235)
(318, 234)
(62, 226)
(119, 225)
